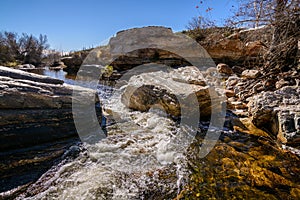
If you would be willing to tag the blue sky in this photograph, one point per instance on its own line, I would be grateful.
(74, 24)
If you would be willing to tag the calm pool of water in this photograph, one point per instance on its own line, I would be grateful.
(59, 74)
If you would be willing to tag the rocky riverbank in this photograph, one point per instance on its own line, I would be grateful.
(256, 156)
(35, 113)
(259, 155)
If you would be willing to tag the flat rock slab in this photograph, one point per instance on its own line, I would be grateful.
(19, 74)
(36, 109)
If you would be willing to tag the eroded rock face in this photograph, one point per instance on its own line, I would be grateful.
(279, 113)
(34, 109)
(138, 46)
(244, 45)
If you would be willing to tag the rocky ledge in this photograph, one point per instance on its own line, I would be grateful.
(34, 109)
(36, 125)
(279, 113)
(247, 161)
(273, 113)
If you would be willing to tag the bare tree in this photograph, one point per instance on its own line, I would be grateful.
(282, 53)
(283, 17)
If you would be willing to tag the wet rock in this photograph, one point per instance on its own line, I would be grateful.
(250, 74)
(243, 166)
(245, 125)
(72, 152)
(147, 90)
(35, 109)
(224, 69)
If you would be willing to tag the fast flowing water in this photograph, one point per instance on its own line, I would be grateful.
(145, 157)
(142, 158)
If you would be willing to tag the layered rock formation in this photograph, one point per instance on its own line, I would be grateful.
(279, 113)
(237, 47)
(134, 47)
(245, 47)
(34, 109)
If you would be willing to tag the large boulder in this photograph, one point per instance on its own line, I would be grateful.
(138, 46)
(74, 61)
(35, 109)
(172, 91)
(279, 113)
(57, 65)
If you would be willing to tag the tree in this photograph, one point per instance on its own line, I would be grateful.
(24, 49)
(252, 13)
(11, 41)
(284, 18)
(282, 53)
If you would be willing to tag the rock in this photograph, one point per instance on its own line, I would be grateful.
(244, 165)
(289, 126)
(224, 69)
(25, 66)
(57, 65)
(189, 74)
(250, 74)
(230, 48)
(233, 49)
(145, 45)
(138, 46)
(35, 109)
(229, 93)
(279, 113)
(146, 91)
(231, 82)
(237, 46)
(72, 152)
(144, 56)
(17, 74)
(281, 83)
(245, 125)
(237, 70)
(74, 61)
(254, 48)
